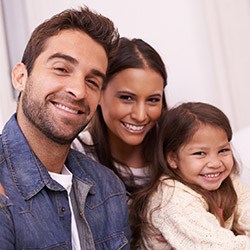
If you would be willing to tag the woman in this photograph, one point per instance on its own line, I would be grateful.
(122, 135)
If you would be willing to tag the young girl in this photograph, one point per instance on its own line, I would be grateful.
(197, 200)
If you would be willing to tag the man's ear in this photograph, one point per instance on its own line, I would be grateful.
(172, 160)
(19, 77)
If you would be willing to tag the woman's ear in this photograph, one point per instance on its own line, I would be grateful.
(19, 77)
(101, 98)
(172, 160)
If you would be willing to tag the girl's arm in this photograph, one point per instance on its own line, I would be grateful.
(242, 216)
(185, 223)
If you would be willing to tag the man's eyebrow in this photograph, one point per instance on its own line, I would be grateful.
(98, 73)
(63, 56)
(74, 61)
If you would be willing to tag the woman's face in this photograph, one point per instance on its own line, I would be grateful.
(131, 104)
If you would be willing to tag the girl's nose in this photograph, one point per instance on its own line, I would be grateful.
(214, 163)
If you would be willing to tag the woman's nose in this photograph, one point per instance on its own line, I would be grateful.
(139, 112)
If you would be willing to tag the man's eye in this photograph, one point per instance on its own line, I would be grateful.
(93, 84)
(62, 70)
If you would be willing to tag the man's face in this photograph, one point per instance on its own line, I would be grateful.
(62, 92)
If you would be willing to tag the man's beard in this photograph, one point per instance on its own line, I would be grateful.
(40, 116)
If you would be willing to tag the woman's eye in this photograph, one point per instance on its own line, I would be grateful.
(126, 97)
(154, 100)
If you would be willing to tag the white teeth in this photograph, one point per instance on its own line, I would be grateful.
(212, 175)
(60, 106)
(133, 127)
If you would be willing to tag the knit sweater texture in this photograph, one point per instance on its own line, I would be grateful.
(181, 215)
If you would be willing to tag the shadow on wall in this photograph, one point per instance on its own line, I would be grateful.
(241, 143)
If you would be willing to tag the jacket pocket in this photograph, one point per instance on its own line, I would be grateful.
(115, 242)
(59, 246)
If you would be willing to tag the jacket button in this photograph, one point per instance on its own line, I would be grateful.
(63, 209)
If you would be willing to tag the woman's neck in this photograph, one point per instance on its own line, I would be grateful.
(130, 155)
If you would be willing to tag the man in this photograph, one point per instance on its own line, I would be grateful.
(54, 197)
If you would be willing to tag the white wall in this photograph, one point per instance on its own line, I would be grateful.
(7, 102)
(205, 45)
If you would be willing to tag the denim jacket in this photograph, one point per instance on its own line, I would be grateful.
(35, 212)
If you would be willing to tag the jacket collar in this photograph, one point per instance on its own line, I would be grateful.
(27, 171)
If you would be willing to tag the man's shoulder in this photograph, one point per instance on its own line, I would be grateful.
(93, 170)
(2, 154)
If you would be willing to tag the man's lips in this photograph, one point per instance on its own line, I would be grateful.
(68, 109)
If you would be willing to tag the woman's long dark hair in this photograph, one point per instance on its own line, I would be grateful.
(177, 127)
(137, 54)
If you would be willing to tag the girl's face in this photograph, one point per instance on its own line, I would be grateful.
(131, 104)
(206, 160)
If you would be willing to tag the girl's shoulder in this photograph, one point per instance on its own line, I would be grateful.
(172, 192)
(166, 182)
(241, 187)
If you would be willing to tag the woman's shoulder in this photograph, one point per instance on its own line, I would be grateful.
(83, 143)
(83, 137)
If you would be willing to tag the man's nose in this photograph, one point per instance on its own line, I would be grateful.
(77, 87)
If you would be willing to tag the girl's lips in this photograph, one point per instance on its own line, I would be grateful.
(212, 175)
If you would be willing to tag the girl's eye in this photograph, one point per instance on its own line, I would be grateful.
(225, 150)
(199, 153)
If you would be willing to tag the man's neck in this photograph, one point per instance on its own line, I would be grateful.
(50, 153)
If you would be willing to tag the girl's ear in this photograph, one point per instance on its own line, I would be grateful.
(19, 77)
(172, 160)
